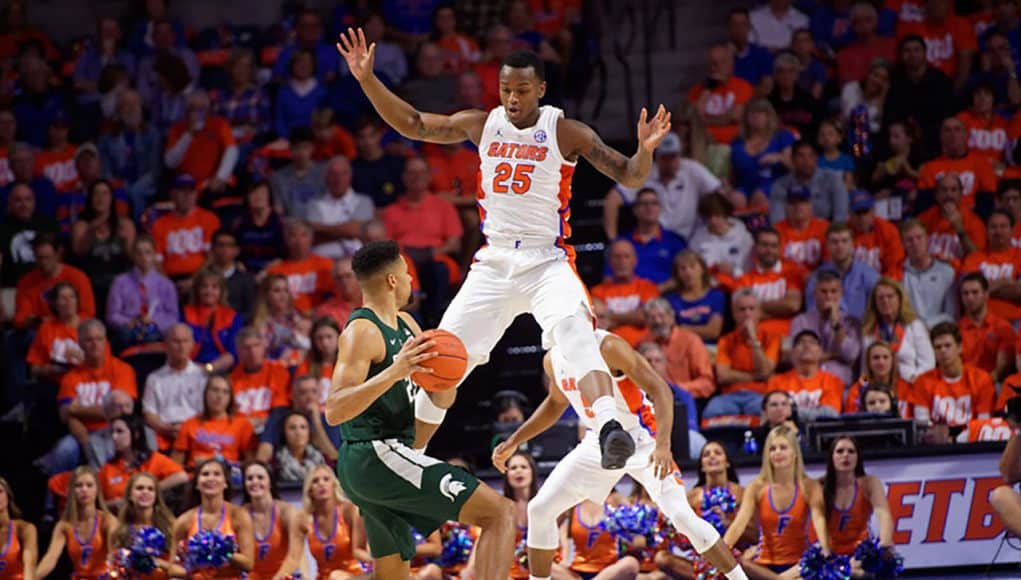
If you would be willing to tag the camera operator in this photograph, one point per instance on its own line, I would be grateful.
(1005, 499)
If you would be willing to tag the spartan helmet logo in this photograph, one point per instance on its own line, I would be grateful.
(451, 488)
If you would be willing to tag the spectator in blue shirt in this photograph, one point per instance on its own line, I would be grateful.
(21, 158)
(309, 36)
(142, 40)
(36, 104)
(655, 246)
(132, 152)
(813, 73)
(377, 173)
(698, 305)
(761, 154)
(106, 51)
(409, 21)
(300, 97)
(857, 278)
(752, 62)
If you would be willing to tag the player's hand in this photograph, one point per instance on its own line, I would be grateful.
(662, 461)
(501, 454)
(412, 354)
(650, 133)
(357, 52)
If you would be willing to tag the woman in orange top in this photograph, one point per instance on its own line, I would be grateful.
(880, 369)
(851, 497)
(216, 432)
(595, 549)
(332, 527)
(322, 357)
(84, 529)
(18, 551)
(783, 499)
(271, 522)
(214, 325)
(55, 348)
(132, 455)
(211, 485)
(144, 508)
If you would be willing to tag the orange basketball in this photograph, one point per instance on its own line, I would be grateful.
(448, 366)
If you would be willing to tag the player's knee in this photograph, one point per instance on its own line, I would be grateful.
(577, 341)
(628, 567)
(499, 515)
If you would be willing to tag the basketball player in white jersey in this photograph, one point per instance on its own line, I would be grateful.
(528, 154)
(579, 476)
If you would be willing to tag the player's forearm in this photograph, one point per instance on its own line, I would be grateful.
(542, 419)
(346, 403)
(663, 407)
(397, 112)
(637, 170)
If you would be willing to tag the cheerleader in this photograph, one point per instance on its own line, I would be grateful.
(595, 549)
(850, 498)
(784, 500)
(210, 489)
(84, 529)
(143, 507)
(17, 556)
(426, 549)
(331, 525)
(639, 547)
(271, 522)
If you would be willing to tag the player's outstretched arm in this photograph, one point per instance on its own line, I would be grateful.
(360, 345)
(397, 113)
(578, 139)
(549, 411)
(619, 355)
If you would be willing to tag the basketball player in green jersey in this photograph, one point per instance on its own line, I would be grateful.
(373, 399)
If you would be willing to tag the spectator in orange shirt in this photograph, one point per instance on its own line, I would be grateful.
(816, 392)
(57, 162)
(258, 384)
(455, 168)
(802, 235)
(331, 139)
(987, 130)
(687, 360)
(184, 235)
(720, 99)
(618, 300)
(1000, 263)
(876, 240)
(308, 275)
(132, 454)
(974, 169)
(745, 359)
(202, 145)
(55, 349)
(854, 59)
(987, 339)
(953, 393)
(347, 294)
(949, 39)
(954, 230)
(81, 395)
(217, 431)
(32, 290)
(459, 50)
(776, 283)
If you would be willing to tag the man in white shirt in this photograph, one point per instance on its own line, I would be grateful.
(680, 183)
(173, 392)
(774, 23)
(337, 216)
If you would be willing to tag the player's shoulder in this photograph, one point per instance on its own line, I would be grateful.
(410, 321)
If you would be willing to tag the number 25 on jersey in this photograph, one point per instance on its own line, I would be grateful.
(519, 176)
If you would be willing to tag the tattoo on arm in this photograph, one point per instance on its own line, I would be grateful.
(607, 160)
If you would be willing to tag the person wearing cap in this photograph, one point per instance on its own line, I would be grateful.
(929, 283)
(839, 333)
(816, 392)
(680, 183)
(802, 235)
(183, 236)
(876, 241)
(202, 145)
(22, 160)
(1000, 263)
(974, 169)
(857, 278)
(829, 194)
(954, 229)
(296, 184)
(56, 162)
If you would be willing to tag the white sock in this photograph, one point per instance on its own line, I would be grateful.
(605, 409)
(530, 577)
(736, 574)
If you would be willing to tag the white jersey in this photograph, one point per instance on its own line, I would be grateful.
(524, 181)
(634, 410)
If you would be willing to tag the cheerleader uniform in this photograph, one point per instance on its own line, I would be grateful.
(271, 549)
(783, 532)
(88, 554)
(335, 551)
(11, 565)
(226, 528)
(594, 547)
(850, 527)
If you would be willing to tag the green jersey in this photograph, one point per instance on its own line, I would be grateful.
(392, 415)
